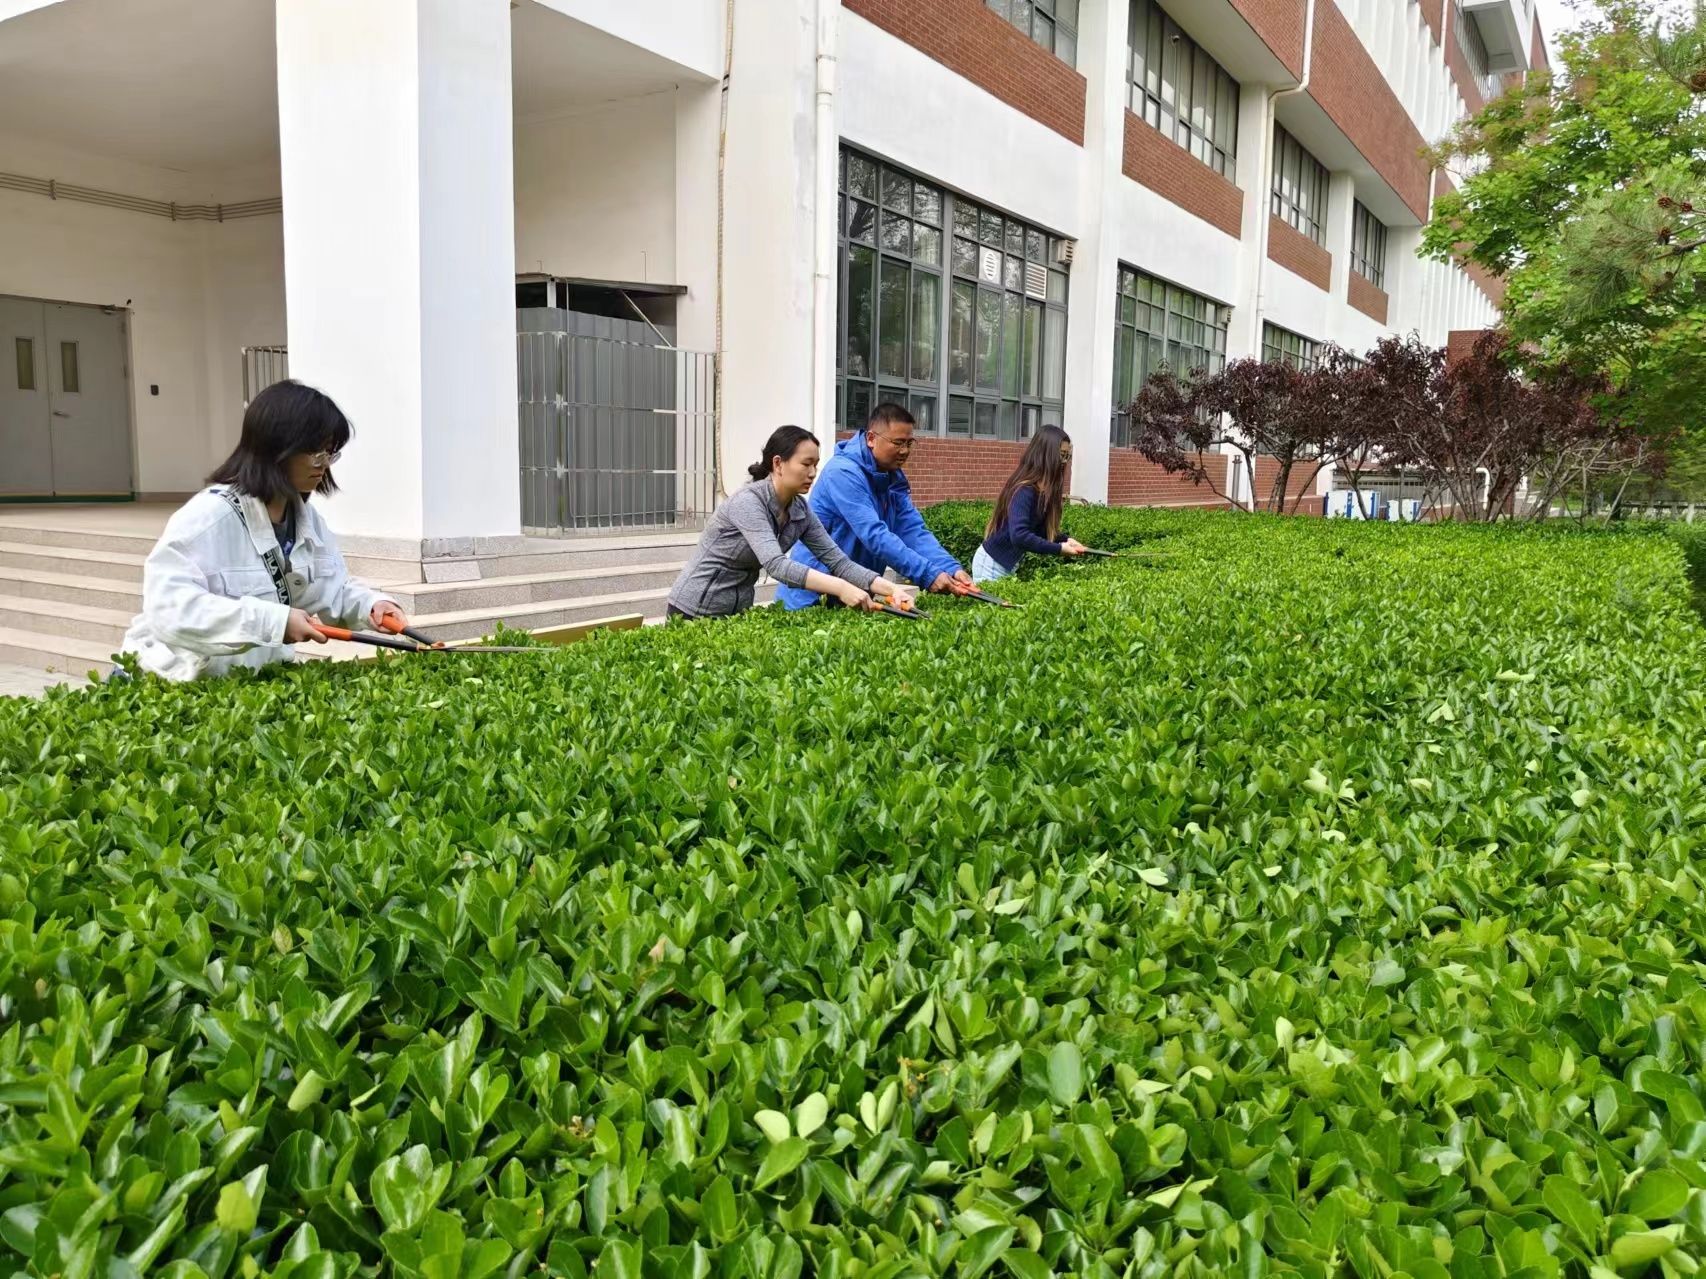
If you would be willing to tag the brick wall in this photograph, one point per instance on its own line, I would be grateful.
(1135, 481)
(968, 38)
(1460, 344)
(1280, 25)
(1299, 254)
(1368, 299)
(1492, 285)
(1174, 173)
(949, 469)
(1434, 12)
(1349, 87)
(1537, 58)
(1467, 85)
(1301, 481)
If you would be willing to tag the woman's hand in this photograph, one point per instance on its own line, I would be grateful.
(899, 594)
(1072, 546)
(387, 618)
(302, 628)
(853, 597)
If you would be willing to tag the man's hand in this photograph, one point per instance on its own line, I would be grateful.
(387, 618)
(301, 628)
(959, 583)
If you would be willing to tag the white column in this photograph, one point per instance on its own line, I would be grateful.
(769, 206)
(1341, 198)
(399, 246)
(1243, 336)
(1093, 304)
(696, 120)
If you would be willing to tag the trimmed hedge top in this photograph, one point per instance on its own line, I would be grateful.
(1323, 896)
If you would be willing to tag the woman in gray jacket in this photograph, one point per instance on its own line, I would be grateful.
(757, 527)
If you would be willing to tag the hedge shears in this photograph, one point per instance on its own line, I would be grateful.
(415, 643)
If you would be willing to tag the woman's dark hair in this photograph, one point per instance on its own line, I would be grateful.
(285, 419)
(783, 443)
(1044, 470)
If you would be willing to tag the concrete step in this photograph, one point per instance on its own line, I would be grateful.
(568, 554)
(54, 652)
(117, 566)
(72, 537)
(96, 592)
(70, 621)
(493, 593)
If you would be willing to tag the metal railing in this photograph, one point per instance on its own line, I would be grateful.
(615, 433)
(262, 366)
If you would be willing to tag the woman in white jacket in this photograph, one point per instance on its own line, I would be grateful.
(246, 567)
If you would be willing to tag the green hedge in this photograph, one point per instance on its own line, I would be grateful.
(1692, 539)
(959, 527)
(1323, 900)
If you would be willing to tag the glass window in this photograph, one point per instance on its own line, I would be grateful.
(1299, 187)
(993, 332)
(1179, 89)
(68, 381)
(1289, 348)
(1161, 324)
(1051, 23)
(891, 299)
(25, 350)
(1368, 246)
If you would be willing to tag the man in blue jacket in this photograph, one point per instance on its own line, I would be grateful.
(862, 497)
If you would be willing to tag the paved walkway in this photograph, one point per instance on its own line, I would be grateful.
(27, 681)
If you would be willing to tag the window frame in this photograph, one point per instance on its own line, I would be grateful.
(1201, 115)
(1050, 24)
(1009, 387)
(1369, 243)
(1288, 347)
(1298, 190)
(1141, 298)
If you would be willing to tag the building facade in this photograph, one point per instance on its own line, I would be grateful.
(1004, 213)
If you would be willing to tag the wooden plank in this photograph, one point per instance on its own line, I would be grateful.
(575, 631)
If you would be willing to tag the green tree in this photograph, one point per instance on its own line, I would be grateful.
(1586, 190)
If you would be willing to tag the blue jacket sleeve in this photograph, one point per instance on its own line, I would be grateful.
(912, 530)
(850, 497)
(1023, 526)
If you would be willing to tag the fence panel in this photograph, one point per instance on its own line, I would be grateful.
(616, 430)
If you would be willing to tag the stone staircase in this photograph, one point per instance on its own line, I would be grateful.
(69, 587)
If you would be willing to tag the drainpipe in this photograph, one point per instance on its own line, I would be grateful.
(717, 491)
(824, 246)
(1264, 188)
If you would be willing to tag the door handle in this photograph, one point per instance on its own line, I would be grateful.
(60, 413)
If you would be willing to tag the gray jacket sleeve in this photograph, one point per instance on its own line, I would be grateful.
(822, 545)
(751, 519)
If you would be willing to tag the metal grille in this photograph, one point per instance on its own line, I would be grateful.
(617, 431)
(262, 366)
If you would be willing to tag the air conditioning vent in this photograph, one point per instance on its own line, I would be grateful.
(1036, 280)
(1064, 250)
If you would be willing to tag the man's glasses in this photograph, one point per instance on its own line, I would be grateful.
(904, 446)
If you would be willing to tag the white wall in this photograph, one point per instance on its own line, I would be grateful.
(595, 191)
(911, 109)
(687, 32)
(196, 292)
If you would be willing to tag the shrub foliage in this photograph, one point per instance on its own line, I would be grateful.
(1322, 899)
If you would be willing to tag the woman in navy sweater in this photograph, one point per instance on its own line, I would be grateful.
(1027, 514)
